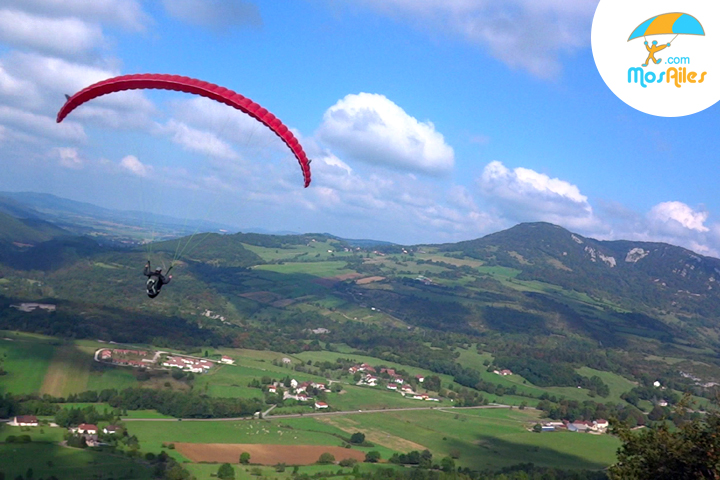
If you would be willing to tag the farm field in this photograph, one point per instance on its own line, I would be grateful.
(27, 358)
(486, 438)
(264, 454)
(68, 372)
(67, 463)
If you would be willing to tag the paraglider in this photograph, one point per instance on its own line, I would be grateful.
(665, 24)
(155, 280)
(197, 87)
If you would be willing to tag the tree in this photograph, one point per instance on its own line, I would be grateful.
(447, 464)
(432, 383)
(372, 457)
(226, 472)
(691, 451)
(357, 438)
(326, 458)
(244, 458)
(537, 428)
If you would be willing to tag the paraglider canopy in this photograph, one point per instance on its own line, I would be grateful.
(196, 87)
(669, 24)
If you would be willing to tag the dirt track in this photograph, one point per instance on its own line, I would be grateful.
(263, 454)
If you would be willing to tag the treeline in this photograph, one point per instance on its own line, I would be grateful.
(546, 374)
(172, 403)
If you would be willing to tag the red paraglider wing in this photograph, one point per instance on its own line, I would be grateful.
(197, 87)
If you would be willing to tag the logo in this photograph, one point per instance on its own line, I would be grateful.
(657, 59)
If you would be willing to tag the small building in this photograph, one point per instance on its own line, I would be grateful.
(420, 378)
(505, 372)
(111, 429)
(227, 360)
(272, 389)
(319, 405)
(548, 428)
(25, 421)
(392, 386)
(87, 428)
(601, 424)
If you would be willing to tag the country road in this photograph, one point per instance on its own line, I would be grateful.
(315, 414)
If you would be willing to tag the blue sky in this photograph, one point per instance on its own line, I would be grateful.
(427, 120)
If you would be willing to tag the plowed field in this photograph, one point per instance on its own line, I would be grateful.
(263, 454)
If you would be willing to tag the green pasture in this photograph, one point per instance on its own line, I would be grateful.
(617, 384)
(373, 398)
(67, 463)
(491, 438)
(233, 380)
(104, 376)
(41, 434)
(26, 360)
(317, 269)
(295, 431)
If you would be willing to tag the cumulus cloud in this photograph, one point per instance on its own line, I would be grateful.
(69, 158)
(215, 14)
(125, 13)
(371, 128)
(40, 125)
(673, 214)
(199, 141)
(527, 34)
(523, 194)
(131, 164)
(63, 36)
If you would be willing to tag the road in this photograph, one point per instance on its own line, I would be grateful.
(317, 414)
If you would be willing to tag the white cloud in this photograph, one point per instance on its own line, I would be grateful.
(64, 36)
(371, 128)
(673, 214)
(135, 166)
(39, 125)
(69, 158)
(527, 34)
(125, 13)
(215, 14)
(523, 194)
(203, 142)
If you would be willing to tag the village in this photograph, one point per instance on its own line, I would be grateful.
(149, 359)
(368, 377)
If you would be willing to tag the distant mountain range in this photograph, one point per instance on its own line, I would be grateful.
(534, 279)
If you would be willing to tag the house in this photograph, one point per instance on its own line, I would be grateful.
(272, 389)
(227, 360)
(111, 429)
(301, 397)
(548, 428)
(25, 421)
(370, 380)
(319, 405)
(87, 428)
(663, 403)
(392, 386)
(600, 425)
(293, 383)
(505, 372)
(420, 378)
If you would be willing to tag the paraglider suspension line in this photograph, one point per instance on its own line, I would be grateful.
(674, 38)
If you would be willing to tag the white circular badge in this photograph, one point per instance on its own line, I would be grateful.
(661, 56)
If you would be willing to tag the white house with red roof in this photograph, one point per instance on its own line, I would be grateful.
(319, 405)
(420, 378)
(24, 421)
(392, 386)
(227, 360)
(87, 428)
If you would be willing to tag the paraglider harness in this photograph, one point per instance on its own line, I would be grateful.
(155, 280)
